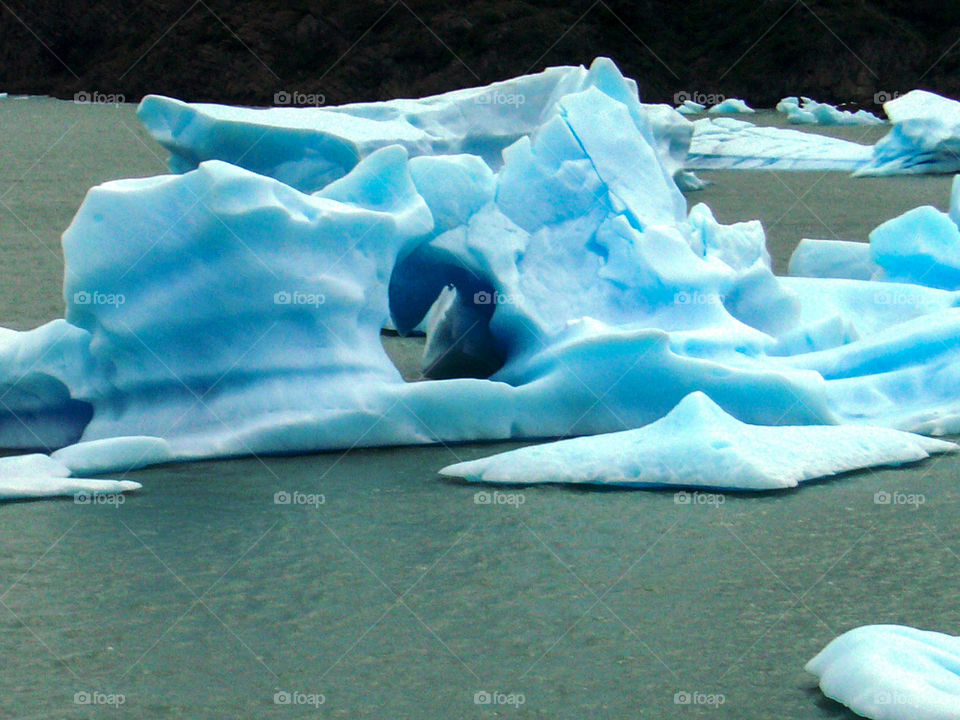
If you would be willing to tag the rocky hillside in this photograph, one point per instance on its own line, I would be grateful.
(350, 50)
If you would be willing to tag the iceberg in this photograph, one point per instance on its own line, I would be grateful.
(731, 106)
(32, 476)
(565, 289)
(689, 107)
(698, 445)
(920, 247)
(892, 672)
(307, 148)
(804, 111)
(924, 137)
(731, 144)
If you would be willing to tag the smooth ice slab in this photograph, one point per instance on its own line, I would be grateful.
(731, 106)
(690, 107)
(728, 143)
(892, 672)
(39, 476)
(119, 454)
(804, 111)
(699, 445)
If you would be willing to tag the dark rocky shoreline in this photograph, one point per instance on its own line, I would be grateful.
(246, 52)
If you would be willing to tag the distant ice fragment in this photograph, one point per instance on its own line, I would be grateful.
(23, 477)
(892, 672)
(804, 111)
(731, 106)
(729, 143)
(698, 445)
(689, 107)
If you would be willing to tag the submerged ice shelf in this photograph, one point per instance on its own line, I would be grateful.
(698, 445)
(892, 672)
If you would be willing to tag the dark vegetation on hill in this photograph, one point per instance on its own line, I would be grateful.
(352, 50)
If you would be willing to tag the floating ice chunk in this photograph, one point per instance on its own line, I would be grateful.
(832, 259)
(804, 111)
(698, 445)
(924, 137)
(921, 246)
(38, 476)
(119, 454)
(689, 107)
(892, 672)
(728, 143)
(731, 106)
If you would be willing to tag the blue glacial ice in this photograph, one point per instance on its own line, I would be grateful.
(920, 247)
(309, 147)
(731, 106)
(690, 107)
(225, 312)
(804, 111)
(731, 144)
(924, 137)
(892, 672)
(698, 445)
(36, 475)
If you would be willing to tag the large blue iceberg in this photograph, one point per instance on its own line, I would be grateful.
(231, 310)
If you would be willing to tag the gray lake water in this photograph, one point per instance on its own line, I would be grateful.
(390, 593)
